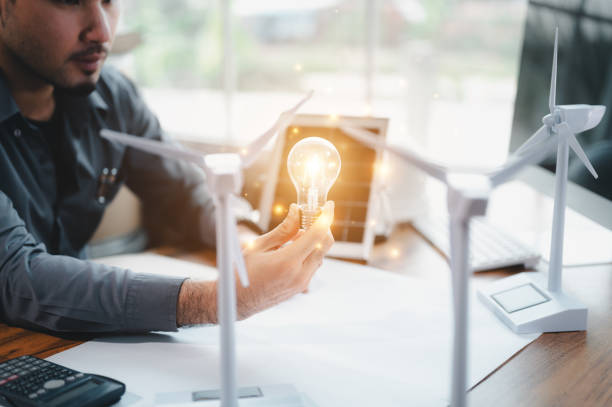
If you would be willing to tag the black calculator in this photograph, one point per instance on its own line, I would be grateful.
(28, 381)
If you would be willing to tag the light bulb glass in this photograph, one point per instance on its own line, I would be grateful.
(313, 164)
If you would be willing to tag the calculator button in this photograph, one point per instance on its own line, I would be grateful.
(79, 375)
(13, 377)
(3, 382)
(41, 391)
(33, 395)
(54, 384)
(70, 378)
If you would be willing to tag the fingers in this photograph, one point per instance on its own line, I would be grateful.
(315, 236)
(299, 234)
(315, 259)
(280, 234)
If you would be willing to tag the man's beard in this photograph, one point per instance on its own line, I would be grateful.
(82, 89)
(86, 88)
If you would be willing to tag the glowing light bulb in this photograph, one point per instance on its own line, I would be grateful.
(313, 164)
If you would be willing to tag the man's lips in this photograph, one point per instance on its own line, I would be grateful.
(89, 62)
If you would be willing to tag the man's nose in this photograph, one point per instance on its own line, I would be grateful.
(98, 24)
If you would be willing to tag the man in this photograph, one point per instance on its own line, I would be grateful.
(57, 175)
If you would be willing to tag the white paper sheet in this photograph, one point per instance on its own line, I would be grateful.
(360, 337)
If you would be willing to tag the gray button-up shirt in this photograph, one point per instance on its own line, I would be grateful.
(54, 186)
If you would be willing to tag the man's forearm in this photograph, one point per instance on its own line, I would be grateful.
(197, 303)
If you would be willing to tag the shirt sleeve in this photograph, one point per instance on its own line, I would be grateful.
(63, 294)
(176, 201)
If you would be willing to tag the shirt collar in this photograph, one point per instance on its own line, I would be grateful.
(97, 101)
(81, 104)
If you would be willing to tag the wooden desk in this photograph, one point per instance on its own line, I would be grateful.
(563, 369)
(557, 369)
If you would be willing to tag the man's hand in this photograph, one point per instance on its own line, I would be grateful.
(278, 271)
(280, 264)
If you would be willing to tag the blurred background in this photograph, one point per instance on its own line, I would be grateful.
(446, 73)
(220, 71)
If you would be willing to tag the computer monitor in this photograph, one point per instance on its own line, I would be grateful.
(584, 76)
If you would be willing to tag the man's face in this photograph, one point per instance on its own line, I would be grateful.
(62, 42)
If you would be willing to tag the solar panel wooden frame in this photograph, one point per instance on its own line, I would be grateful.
(353, 192)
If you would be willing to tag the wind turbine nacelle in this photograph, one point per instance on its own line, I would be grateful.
(468, 195)
(224, 172)
(581, 117)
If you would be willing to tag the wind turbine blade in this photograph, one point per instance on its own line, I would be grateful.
(536, 138)
(237, 253)
(253, 149)
(154, 147)
(553, 80)
(433, 169)
(517, 163)
(574, 145)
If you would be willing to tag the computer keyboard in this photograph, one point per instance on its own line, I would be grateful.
(490, 247)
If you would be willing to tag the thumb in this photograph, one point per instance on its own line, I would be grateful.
(280, 234)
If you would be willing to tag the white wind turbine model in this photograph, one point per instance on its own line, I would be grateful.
(224, 177)
(524, 301)
(468, 195)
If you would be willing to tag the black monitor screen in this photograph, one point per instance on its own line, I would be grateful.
(584, 76)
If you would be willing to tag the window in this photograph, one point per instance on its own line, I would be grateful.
(443, 72)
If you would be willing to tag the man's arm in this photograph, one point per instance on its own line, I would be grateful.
(59, 293)
(197, 303)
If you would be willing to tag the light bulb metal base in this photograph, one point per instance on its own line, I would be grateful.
(309, 216)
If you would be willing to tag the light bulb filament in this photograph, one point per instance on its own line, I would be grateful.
(313, 198)
(313, 168)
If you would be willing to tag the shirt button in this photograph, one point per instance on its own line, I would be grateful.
(17, 132)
